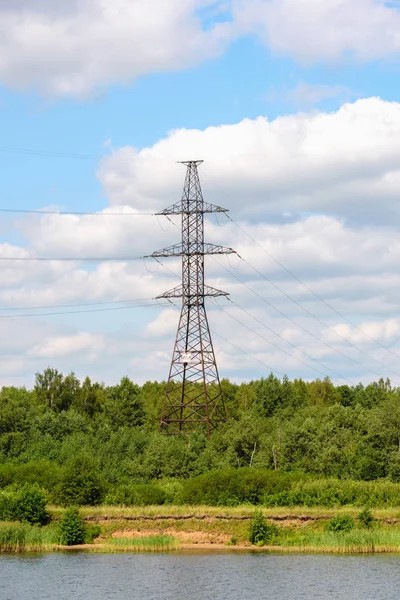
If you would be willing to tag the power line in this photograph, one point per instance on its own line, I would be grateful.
(320, 320)
(76, 213)
(76, 312)
(77, 305)
(287, 342)
(240, 349)
(298, 324)
(73, 259)
(278, 262)
(318, 297)
(272, 343)
(247, 353)
(274, 332)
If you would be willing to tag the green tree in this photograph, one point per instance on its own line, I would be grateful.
(268, 394)
(56, 391)
(90, 399)
(124, 404)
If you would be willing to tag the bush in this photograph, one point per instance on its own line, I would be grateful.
(31, 505)
(72, 528)
(44, 473)
(145, 494)
(341, 523)
(80, 484)
(261, 530)
(365, 518)
(27, 504)
(336, 492)
(230, 487)
(92, 531)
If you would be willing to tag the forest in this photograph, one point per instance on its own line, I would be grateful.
(285, 443)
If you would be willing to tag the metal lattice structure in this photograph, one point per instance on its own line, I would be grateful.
(193, 394)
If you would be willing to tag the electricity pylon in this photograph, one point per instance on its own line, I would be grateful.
(193, 394)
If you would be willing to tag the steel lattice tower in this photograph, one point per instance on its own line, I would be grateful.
(193, 394)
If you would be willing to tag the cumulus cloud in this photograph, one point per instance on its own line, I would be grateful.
(68, 48)
(322, 30)
(71, 48)
(60, 346)
(345, 164)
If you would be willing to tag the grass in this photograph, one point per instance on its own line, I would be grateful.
(152, 543)
(352, 542)
(21, 537)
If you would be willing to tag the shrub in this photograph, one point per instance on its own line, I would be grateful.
(365, 518)
(144, 494)
(336, 492)
(261, 530)
(230, 487)
(7, 506)
(80, 484)
(44, 473)
(31, 505)
(72, 528)
(27, 504)
(341, 523)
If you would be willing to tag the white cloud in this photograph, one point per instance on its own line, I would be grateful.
(67, 345)
(383, 331)
(163, 325)
(322, 30)
(68, 48)
(345, 163)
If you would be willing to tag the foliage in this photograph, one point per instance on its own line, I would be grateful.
(286, 443)
(28, 504)
(336, 492)
(365, 518)
(341, 523)
(230, 487)
(80, 483)
(72, 528)
(261, 530)
(136, 495)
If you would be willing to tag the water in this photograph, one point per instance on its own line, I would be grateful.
(76, 576)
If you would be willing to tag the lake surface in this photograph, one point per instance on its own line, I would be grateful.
(76, 576)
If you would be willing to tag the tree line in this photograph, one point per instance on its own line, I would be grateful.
(71, 437)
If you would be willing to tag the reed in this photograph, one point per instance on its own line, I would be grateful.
(21, 537)
(153, 543)
(357, 541)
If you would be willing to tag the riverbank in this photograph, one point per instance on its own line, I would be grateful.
(208, 529)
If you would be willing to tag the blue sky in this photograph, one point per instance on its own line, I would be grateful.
(296, 119)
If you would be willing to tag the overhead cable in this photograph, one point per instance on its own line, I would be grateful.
(320, 320)
(307, 287)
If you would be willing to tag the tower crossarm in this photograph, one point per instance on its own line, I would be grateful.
(178, 250)
(177, 292)
(206, 208)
